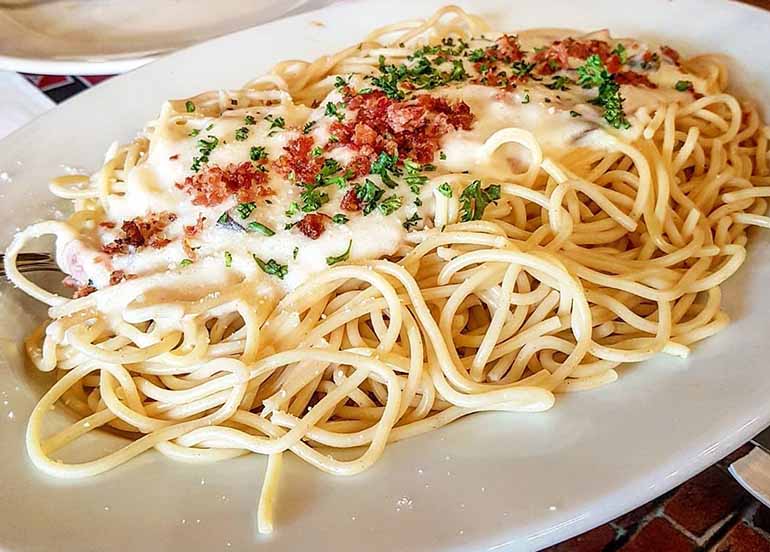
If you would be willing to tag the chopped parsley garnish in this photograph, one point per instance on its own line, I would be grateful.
(189, 106)
(241, 134)
(245, 209)
(257, 153)
(308, 127)
(445, 189)
(521, 68)
(228, 259)
(477, 55)
(261, 229)
(295, 253)
(421, 74)
(526, 99)
(185, 262)
(442, 155)
(384, 165)
(340, 258)
(335, 110)
(413, 178)
(339, 82)
(223, 218)
(390, 205)
(317, 151)
(333, 139)
(412, 221)
(475, 199)
(683, 85)
(594, 74)
(620, 51)
(575, 114)
(329, 175)
(559, 82)
(272, 267)
(312, 198)
(339, 218)
(292, 210)
(369, 194)
(275, 123)
(249, 120)
(205, 147)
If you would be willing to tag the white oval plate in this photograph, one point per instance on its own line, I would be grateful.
(490, 482)
(101, 37)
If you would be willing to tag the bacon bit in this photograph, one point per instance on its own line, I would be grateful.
(360, 166)
(506, 48)
(213, 185)
(298, 160)
(556, 56)
(117, 276)
(174, 157)
(83, 291)
(193, 230)
(313, 225)
(350, 201)
(634, 79)
(107, 224)
(671, 54)
(140, 232)
(410, 128)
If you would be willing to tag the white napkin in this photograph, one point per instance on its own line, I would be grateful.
(20, 102)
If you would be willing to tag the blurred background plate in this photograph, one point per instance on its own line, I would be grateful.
(89, 37)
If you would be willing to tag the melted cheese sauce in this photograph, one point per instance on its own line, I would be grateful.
(560, 120)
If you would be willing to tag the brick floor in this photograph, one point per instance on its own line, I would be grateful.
(658, 534)
(708, 513)
(704, 500)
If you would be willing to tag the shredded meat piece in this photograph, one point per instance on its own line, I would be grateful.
(350, 201)
(409, 129)
(140, 232)
(671, 54)
(195, 229)
(213, 185)
(117, 276)
(81, 290)
(634, 79)
(298, 162)
(313, 225)
(107, 224)
(557, 55)
(506, 49)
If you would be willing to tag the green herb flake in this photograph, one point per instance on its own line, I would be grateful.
(683, 85)
(445, 190)
(308, 127)
(228, 259)
(384, 166)
(594, 74)
(223, 218)
(249, 120)
(292, 210)
(335, 110)
(205, 147)
(559, 82)
(412, 221)
(317, 151)
(575, 114)
(339, 218)
(241, 134)
(474, 199)
(390, 205)
(245, 209)
(620, 51)
(312, 199)
(257, 153)
(260, 229)
(442, 155)
(369, 194)
(340, 258)
(526, 99)
(189, 106)
(272, 267)
(185, 262)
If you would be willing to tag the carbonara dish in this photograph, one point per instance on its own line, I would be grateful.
(440, 220)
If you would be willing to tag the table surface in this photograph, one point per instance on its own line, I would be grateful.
(708, 513)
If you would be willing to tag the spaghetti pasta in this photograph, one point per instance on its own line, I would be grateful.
(472, 221)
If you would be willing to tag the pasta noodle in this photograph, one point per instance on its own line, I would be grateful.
(580, 214)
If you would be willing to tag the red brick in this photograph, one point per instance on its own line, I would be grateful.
(762, 518)
(743, 538)
(626, 521)
(737, 454)
(658, 535)
(594, 540)
(705, 500)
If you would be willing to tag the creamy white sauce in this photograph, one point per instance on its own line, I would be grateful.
(559, 121)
